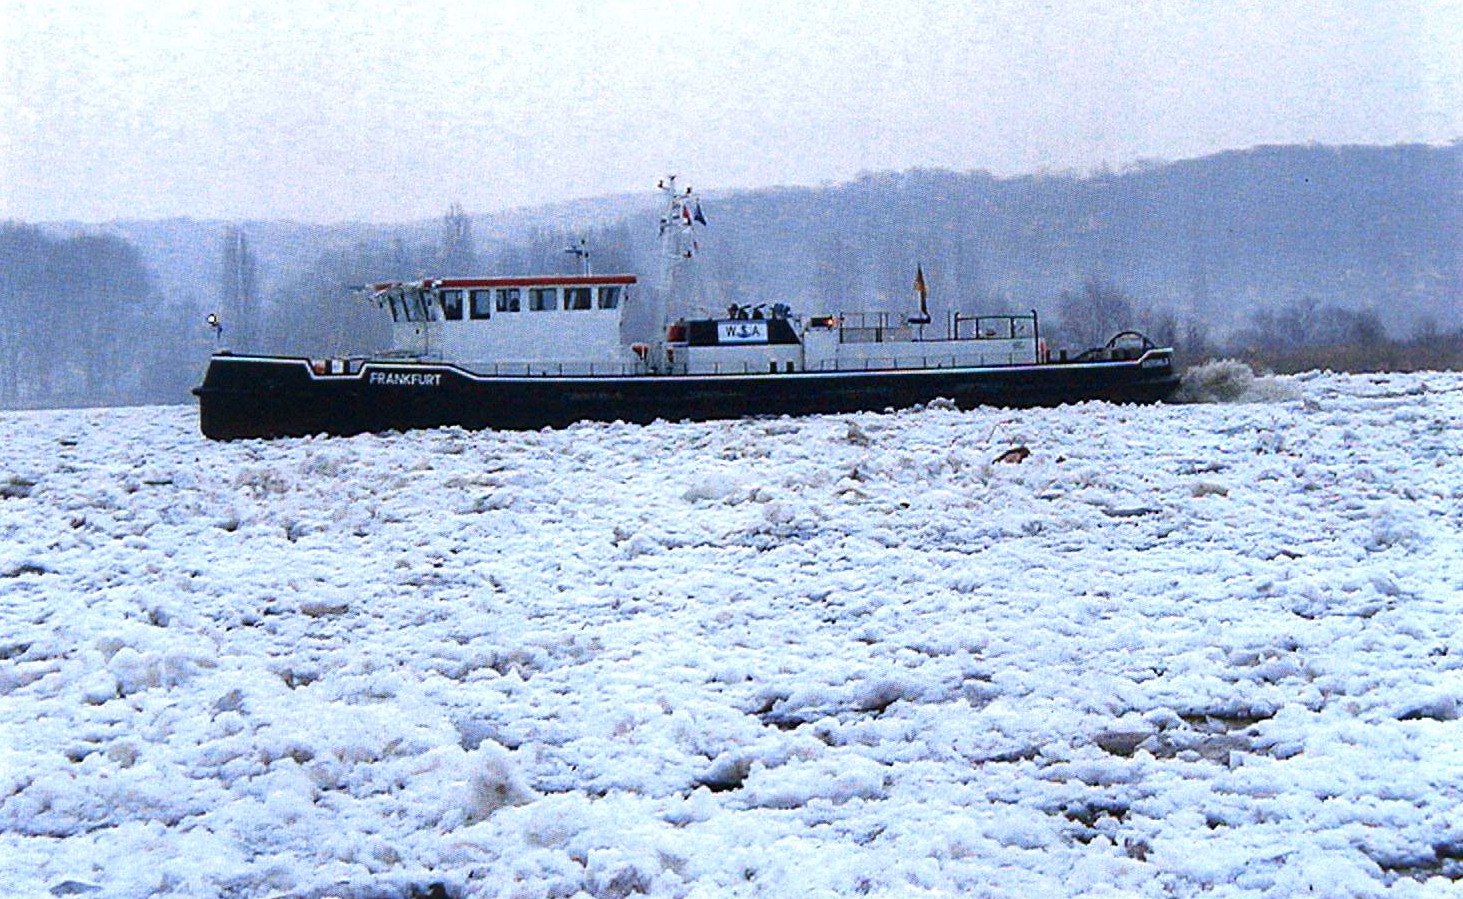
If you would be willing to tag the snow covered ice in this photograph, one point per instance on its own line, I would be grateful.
(1176, 651)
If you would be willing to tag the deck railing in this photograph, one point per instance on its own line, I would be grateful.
(895, 363)
(620, 370)
(560, 369)
(881, 327)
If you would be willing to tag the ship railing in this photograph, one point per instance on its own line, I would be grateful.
(865, 364)
(861, 321)
(895, 363)
(561, 369)
(872, 327)
(882, 327)
(992, 327)
(875, 334)
(778, 367)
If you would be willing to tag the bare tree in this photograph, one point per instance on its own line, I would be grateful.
(24, 253)
(76, 330)
(1101, 310)
(458, 253)
(322, 310)
(238, 290)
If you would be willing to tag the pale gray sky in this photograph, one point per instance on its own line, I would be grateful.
(330, 111)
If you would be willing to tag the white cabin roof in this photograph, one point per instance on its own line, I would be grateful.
(506, 281)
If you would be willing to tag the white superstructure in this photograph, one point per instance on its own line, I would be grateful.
(567, 324)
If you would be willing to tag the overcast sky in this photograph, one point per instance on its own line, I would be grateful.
(363, 110)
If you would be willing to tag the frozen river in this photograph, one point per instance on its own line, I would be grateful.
(1191, 650)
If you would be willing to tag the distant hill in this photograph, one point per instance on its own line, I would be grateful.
(1213, 246)
(184, 254)
(1211, 239)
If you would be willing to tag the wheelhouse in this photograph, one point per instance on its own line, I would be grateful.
(568, 324)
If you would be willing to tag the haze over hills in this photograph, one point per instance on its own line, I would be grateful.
(1214, 238)
(1213, 244)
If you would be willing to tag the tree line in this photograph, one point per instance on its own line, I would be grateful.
(1300, 335)
(1288, 257)
(83, 323)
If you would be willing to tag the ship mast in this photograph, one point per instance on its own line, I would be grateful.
(679, 217)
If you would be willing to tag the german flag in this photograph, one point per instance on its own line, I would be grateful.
(919, 286)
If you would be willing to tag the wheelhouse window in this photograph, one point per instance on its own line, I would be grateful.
(451, 305)
(609, 297)
(543, 299)
(578, 298)
(480, 303)
(412, 306)
(509, 299)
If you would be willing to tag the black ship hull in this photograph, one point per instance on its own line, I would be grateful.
(263, 396)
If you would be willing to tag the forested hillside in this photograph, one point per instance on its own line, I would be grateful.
(1341, 256)
(76, 312)
(1213, 241)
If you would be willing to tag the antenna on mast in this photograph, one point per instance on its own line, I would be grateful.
(581, 252)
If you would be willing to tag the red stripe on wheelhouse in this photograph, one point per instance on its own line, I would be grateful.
(546, 281)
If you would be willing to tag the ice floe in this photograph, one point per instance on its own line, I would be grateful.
(1179, 650)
